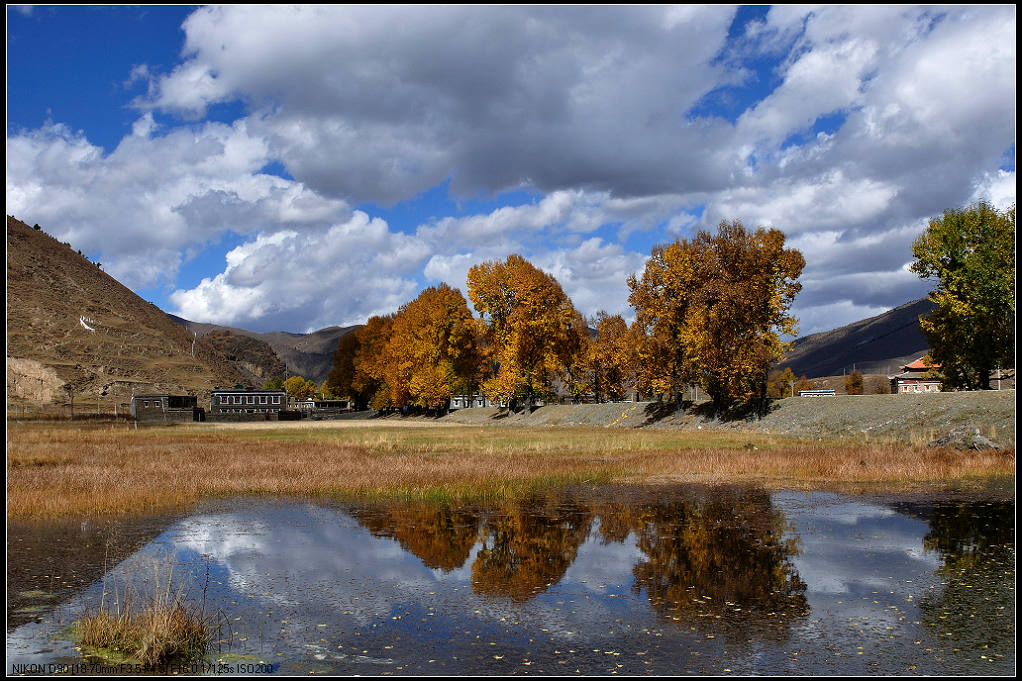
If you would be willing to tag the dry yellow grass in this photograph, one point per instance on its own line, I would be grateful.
(149, 630)
(68, 469)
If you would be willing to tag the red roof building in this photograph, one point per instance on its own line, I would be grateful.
(916, 377)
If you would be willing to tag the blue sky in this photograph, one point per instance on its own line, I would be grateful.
(291, 168)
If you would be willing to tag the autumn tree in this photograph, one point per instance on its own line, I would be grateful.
(300, 389)
(372, 362)
(712, 311)
(785, 383)
(970, 252)
(431, 349)
(853, 383)
(531, 326)
(612, 357)
(341, 379)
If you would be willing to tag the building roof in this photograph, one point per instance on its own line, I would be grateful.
(919, 365)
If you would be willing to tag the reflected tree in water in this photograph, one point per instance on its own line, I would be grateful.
(441, 536)
(721, 563)
(975, 609)
(527, 547)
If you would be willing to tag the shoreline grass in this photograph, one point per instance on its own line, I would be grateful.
(146, 630)
(74, 470)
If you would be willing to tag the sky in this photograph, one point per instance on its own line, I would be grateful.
(292, 168)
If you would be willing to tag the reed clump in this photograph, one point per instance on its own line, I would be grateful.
(153, 630)
(153, 634)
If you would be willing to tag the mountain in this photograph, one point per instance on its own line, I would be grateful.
(308, 355)
(71, 325)
(253, 357)
(878, 345)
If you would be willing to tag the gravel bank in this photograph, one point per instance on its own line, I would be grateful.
(907, 418)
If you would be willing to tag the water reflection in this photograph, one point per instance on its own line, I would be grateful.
(976, 545)
(708, 554)
(721, 563)
(624, 580)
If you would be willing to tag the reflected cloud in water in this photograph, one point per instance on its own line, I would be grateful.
(629, 580)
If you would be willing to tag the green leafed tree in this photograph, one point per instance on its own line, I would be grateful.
(970, 254)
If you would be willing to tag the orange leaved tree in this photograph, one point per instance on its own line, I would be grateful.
(713, 311)
(532, 328)
(432, 349)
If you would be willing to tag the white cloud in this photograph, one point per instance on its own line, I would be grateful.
(997, 188)
(153, 197)
(588, 107)
(303, 281)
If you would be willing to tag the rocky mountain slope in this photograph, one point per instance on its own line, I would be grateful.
(253, 357)
(308, 355)
(878, 345)
(71, 325)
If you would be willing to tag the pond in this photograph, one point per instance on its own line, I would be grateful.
(618, 580)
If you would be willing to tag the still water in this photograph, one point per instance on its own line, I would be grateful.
(622, 580)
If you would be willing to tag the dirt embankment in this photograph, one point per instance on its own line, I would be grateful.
(906, 418)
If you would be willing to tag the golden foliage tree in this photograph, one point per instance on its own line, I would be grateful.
(712, 310)
(431, 349)
(853, 383)
(532, 327)
(372, 362)
(612, 357)
(300, 389)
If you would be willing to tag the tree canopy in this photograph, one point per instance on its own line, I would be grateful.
(432, 348)
(713, 310)
(970, 252)
(532, 327)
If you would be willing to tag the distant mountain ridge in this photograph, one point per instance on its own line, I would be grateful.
(878, 345)
(309, 355)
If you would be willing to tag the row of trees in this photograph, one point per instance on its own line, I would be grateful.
(710, 311)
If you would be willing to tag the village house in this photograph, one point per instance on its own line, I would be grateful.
(916, 377)
(470, 401)
(247, 405)
(321, 408)
(166, 408)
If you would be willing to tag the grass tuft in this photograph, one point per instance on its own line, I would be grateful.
(150, 630)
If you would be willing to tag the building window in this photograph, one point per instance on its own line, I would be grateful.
(262, 399)
(276, 399)
(145, 403)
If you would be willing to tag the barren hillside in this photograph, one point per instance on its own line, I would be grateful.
(71, 324)
(308, 355)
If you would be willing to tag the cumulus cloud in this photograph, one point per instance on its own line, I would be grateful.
(361, 267)
(868, 121)
(153, 197)
(392, 101)
(308, 280)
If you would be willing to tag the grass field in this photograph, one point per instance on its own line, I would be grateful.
(59, 469)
